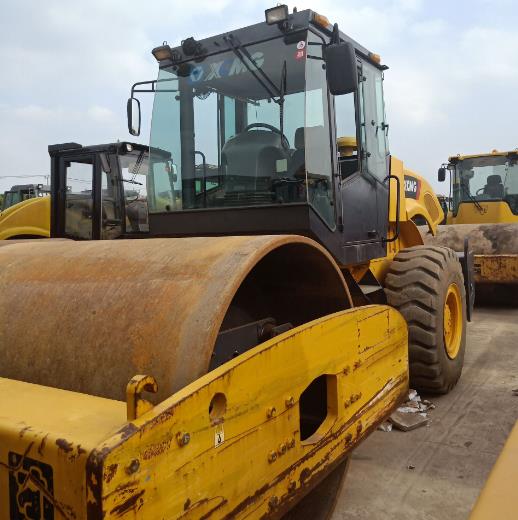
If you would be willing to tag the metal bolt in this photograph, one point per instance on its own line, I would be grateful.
(282, 448)
(348, 438)
(272, 456)
(347, 369)
(273, 502)
(291, 443)
(271, 412)
(183, 438)
(133, 466)
(290, 401)
(292, 486)
(359, 427)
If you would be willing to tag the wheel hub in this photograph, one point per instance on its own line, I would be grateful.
(452, 325)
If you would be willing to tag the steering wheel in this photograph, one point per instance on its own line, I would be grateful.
(479, 190)
(284, 139)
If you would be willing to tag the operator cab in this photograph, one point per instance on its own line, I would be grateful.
(484, 178)
(100, 192)
(263, 143)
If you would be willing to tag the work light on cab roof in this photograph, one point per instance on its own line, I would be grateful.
(162, 52)
(277, 14)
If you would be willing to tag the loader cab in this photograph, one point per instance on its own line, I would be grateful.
(99, 192)
(483, 181)
(260, 143)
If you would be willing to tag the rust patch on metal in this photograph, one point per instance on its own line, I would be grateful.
(23, 431)
(110, 472)
(64, 445)
(41, 447)
(484, 239)
(247, 501)
(156, 449)
(127, 430)
(124, 489)
(163, 417)
(94, 475)
(190, 507)
(134, 502)
(307, 473)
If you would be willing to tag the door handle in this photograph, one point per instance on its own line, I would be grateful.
(398, 204)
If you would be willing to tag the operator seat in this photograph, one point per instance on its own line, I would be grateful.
(494, 187)
(249, 160)
(315, 137)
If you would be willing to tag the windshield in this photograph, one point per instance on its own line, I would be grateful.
(486, 179)
(11, 198)
(238, 126)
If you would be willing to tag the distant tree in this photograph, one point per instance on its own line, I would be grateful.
(1, 199)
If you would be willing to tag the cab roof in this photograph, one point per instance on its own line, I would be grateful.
(55, 149)
(493, 153)
(298, 21)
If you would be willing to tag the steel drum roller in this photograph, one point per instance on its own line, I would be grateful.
(88, 316)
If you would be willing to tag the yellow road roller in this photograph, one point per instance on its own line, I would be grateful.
(227, 364)
(25, 212)
(484, 210)
(112, 202)
(21, 192)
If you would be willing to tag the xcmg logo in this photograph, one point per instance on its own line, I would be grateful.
(225, 68)
(412, 187)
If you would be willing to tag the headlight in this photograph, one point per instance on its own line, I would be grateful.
(276, 14)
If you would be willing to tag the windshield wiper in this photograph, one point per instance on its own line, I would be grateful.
(242, 53)
(133, 181)
(271, 88)
(473, 199)
(281, 102)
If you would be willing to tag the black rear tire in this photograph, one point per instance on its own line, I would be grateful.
(417, 285)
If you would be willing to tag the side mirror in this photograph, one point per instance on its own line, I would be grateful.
(133, 110)
(341, 68)
(441, 174)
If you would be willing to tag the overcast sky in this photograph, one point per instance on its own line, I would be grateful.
(67, 67)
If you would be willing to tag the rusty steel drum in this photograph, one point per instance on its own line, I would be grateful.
(484, 239)
(88, 316)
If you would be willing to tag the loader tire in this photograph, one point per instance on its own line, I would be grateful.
(425, 284)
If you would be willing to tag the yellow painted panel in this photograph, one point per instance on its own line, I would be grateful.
(30, 217)
(178, 463)
(243, 457)
(51, 432)
(496, 269)
(498, 499)
(491, 213)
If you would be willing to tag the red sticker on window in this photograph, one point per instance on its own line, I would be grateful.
(300, 54)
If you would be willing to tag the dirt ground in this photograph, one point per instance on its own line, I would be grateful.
(452, 456)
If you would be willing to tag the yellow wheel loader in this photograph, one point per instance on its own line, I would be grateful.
(484, 210)
(21, 192)
(226, 365)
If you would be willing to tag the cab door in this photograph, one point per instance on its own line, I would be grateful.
(76, 194)
(363, 167)
(376, 128)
